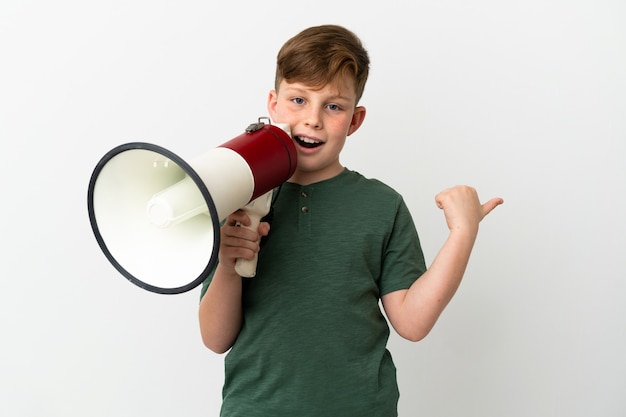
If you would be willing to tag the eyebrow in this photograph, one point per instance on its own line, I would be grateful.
(300, 90)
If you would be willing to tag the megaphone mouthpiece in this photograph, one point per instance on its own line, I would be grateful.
(175, 204)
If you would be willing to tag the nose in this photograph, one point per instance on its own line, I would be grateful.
(313, 119)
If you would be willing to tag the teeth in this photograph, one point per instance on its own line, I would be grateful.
(307, 140)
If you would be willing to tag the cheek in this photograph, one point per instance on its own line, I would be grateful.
(277, 108)
(341, 125)
(283, 112)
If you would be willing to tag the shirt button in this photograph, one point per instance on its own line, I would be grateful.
(304, 209)
(304, 194)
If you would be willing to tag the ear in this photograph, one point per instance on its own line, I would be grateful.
(357, 119)
(272, 101)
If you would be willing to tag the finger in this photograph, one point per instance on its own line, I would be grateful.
(264, 228)
(491, 204)
(237, 247)
(238, 217)
(240, 233)
(463, 192)
(439, 200)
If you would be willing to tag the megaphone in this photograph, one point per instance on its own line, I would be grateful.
(157, 218)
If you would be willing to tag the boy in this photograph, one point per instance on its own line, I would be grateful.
(306, 335)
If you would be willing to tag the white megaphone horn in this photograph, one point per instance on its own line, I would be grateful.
(157, 217)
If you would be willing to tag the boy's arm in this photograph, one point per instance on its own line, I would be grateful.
(220, 313)
(414, 312)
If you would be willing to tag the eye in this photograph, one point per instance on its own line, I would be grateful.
(334, 107)
(298, 100)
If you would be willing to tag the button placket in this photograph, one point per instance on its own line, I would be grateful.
(305, 209)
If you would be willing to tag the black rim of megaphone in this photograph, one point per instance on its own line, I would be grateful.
(205, 194)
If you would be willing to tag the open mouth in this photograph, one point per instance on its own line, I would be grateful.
(307, 142)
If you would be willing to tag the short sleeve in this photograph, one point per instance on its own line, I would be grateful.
(403, 260)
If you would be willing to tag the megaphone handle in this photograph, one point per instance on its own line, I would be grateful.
(256, 209)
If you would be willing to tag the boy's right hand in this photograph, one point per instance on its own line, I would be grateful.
(239, 242)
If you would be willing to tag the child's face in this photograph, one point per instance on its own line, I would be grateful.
(320, 120)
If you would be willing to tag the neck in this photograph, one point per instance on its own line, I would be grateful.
(308, 178)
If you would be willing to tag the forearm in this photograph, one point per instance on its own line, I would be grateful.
(425, 300)
(220, 312)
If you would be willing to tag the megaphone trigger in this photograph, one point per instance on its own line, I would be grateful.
(256, 210)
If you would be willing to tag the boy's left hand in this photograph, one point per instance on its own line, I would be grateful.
(462, 207)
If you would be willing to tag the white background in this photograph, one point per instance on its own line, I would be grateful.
(522, 99)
